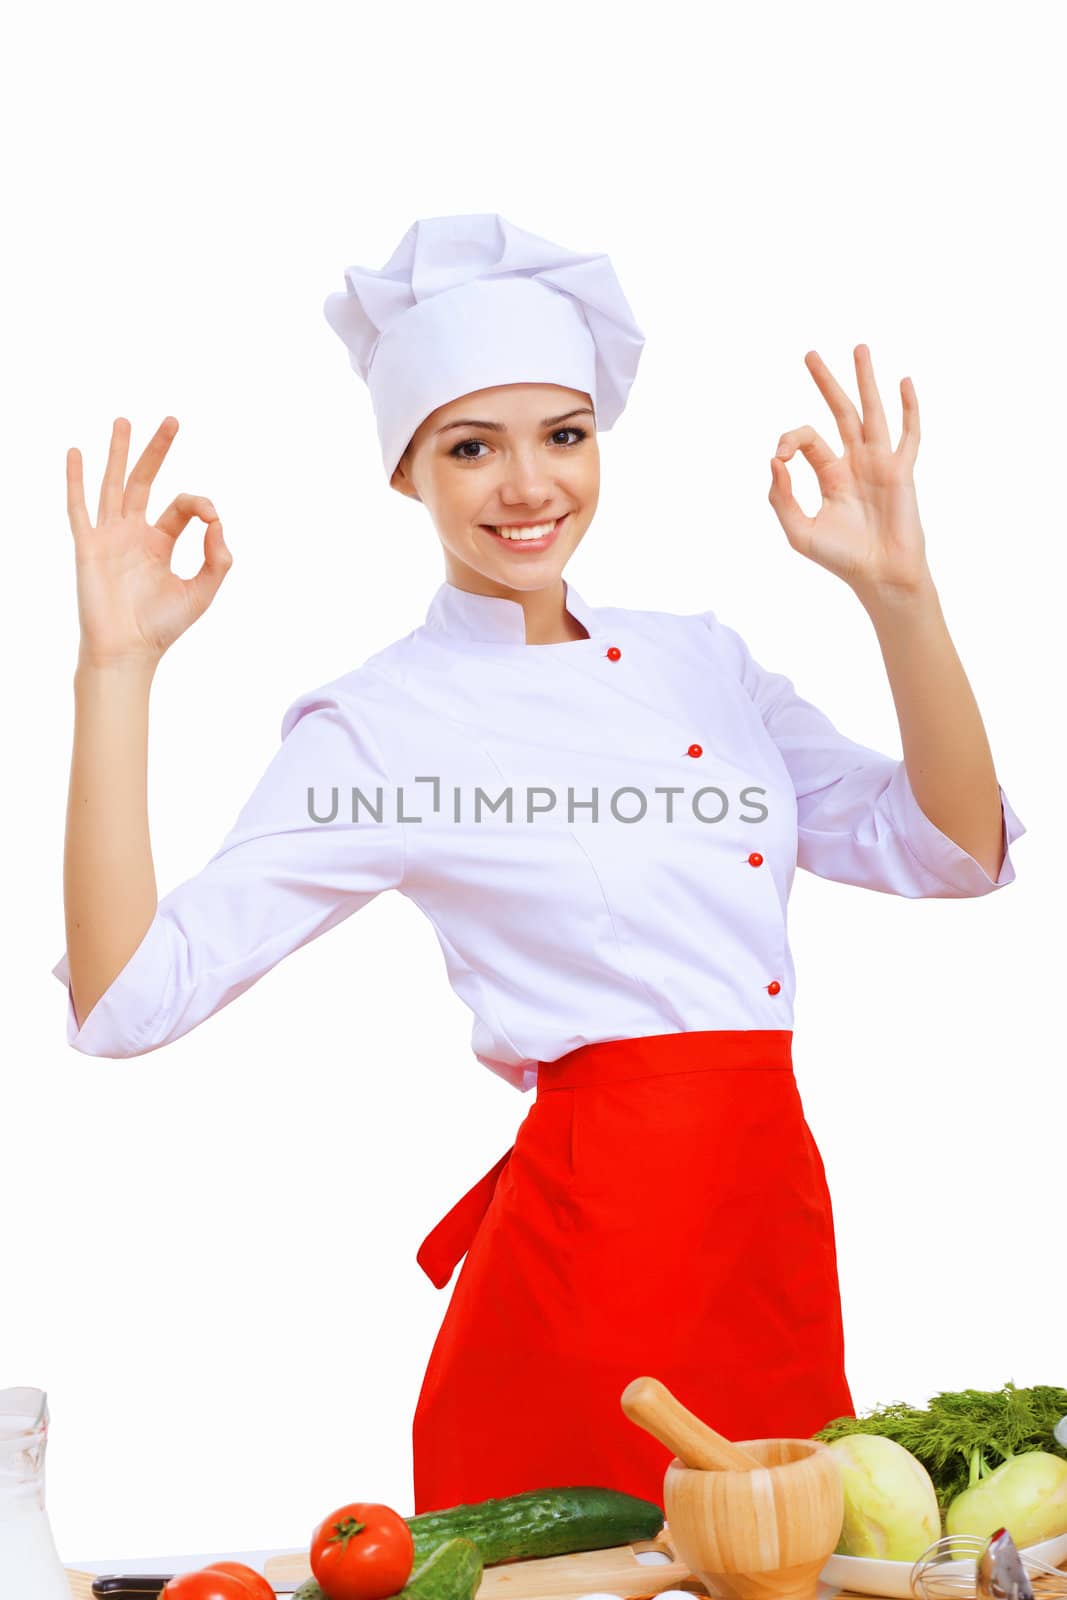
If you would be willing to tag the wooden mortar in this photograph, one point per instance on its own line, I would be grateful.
(753, 1520)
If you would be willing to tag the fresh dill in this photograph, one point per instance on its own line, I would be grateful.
(963, 1435)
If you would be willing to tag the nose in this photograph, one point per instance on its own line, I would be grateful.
(525, 482)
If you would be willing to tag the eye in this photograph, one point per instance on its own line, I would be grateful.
(462, 446)
(455, 452)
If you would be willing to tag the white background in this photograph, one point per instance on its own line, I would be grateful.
(208, 1251)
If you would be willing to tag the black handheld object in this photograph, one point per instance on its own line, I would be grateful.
(131, 1586)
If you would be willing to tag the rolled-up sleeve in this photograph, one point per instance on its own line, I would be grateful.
(278, 880)
(858, 820)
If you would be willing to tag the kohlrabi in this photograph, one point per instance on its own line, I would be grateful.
(1027, 1494)
(891, 1510)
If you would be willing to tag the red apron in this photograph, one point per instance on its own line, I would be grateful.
(663, 1211)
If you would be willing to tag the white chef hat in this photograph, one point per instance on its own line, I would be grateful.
(470, 302)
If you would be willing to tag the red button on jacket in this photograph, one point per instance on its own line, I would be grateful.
(614, 653)
(694, 750)
(755, 859)
(773, 988)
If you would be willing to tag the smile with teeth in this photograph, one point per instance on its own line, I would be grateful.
(540, 531)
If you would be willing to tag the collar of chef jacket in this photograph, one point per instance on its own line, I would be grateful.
(490, 619)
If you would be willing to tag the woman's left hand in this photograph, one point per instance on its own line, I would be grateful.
(867, 529)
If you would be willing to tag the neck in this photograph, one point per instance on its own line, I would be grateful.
(547, 619)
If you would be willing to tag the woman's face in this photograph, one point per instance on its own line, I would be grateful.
(515, 453)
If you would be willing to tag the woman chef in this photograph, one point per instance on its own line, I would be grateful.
(600, 810)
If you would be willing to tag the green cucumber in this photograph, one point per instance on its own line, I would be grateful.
(453, 1572)
(523, 1527)
(540, 1522)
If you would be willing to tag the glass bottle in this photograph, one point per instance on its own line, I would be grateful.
(29, 1561)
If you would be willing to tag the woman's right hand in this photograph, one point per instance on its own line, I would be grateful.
(131, 606)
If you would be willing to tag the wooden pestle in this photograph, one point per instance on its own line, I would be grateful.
(653, 1407)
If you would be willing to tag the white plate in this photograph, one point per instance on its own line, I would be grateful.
(864, 1576)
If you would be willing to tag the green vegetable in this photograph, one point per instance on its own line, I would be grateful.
(453, 1572)
(539, 1522)
(891, 1510)
(960, 1436)
(1027, 1495)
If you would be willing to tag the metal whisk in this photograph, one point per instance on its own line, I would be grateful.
(961, 1566)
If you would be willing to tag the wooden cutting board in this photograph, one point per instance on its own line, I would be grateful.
(613, 1571)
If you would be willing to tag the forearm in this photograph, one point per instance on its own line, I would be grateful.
(109, 882)
(946, 752)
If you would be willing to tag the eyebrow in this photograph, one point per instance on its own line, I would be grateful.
(499, 427)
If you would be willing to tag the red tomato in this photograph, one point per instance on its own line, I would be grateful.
(364, 1551)
(256, 1584)
(215, 1583)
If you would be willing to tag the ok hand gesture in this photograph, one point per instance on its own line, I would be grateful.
(867, 529)
(130, 604)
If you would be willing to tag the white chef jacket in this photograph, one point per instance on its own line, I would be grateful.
(603, 833)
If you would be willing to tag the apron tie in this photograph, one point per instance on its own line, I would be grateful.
(452, 1237)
